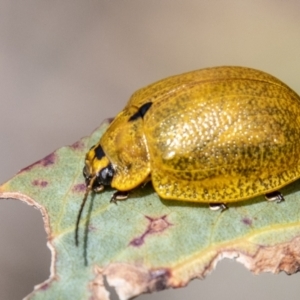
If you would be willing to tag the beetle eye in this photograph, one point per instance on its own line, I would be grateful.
(106, 175)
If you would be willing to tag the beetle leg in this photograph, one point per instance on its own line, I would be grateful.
(119, 195)
(274, 196)
(217, 206)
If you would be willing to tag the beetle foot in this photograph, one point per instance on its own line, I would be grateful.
(118, 196)
(217, 206)
(274, 196)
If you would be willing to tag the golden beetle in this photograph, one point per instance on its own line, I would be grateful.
(214, 135)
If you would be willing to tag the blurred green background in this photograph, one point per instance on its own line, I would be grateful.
(67, 65)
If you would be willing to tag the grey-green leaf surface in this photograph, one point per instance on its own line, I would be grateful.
(146, 244)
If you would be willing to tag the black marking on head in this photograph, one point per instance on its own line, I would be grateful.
(99, 152)
(141, 112)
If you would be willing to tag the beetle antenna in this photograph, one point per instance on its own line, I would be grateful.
(87, 191)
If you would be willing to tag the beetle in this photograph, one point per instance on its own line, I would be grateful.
(216, 135)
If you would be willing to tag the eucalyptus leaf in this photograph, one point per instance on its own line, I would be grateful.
(146, 244)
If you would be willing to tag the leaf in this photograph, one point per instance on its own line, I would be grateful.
(146, 244)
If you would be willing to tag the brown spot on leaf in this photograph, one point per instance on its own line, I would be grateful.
(137, 241)
(44, 287)
(79, 145)
(45, 162)
(40, 183)
(79, 188)
(48, 160)
(92, 228)
(156, 225)
(29, 167)
(247, 221)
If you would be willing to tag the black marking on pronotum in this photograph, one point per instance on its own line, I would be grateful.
(99, 152)
(141, 112)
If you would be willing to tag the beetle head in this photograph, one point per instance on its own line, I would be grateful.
(98, 171)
